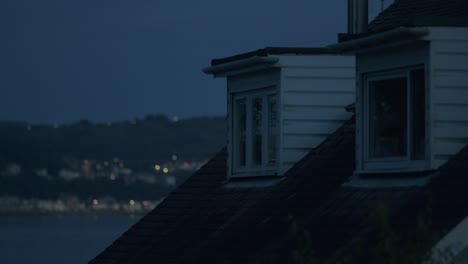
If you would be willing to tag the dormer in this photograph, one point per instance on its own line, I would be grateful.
(282, 102)
(412, 87)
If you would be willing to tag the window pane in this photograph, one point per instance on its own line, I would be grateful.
(241, 131)
(257, 130)
(387, 118)
(418, 133)
(272, 130)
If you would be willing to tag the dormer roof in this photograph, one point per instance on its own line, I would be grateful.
(273, 51)
(265, 58)
(418, 13)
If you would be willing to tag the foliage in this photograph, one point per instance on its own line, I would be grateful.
(303, 252)
(385, 243)
(380, 242)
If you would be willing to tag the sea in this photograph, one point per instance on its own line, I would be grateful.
(55, 239)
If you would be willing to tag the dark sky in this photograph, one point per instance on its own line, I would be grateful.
(108, 60)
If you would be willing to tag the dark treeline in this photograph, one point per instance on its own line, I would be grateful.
(155, 137)
(138, 143)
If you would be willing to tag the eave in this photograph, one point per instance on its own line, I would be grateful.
(386, 37)
(241, 66)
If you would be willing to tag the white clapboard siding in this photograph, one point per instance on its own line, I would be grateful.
(253, 81)
(319, 127)
(318, 113)
(291, 156)
(318, 98)
(314, 93)
(449, 93)
(302, 141)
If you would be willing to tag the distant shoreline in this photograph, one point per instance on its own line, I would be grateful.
(13, 206)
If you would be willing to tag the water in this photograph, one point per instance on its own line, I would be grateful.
(58, 239)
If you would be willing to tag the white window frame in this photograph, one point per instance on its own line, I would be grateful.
(251, 169)
(399, 163)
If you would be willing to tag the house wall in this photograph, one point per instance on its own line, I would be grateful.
(314, 92)
(449, 92)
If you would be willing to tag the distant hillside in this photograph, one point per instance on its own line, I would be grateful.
(124, 160)
(154, 137)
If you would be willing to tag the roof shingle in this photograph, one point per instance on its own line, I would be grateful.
(413, 13)
(204, 222)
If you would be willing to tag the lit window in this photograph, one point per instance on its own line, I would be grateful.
(255, 135)
(394, 112)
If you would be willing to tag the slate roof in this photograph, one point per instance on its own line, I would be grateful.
(202, 216)
(203, 221)
(414, 13)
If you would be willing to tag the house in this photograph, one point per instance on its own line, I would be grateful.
(386, 185)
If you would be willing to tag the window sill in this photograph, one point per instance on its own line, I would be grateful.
(255, 172)
(395, 166)
(390, 180)
(395, 172)
(253, 182)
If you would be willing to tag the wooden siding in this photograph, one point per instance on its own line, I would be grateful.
(314, 92)
(449, 92)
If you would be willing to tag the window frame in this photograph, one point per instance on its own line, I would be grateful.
(399, 163)
(251, 169)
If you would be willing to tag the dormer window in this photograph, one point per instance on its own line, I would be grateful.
(255, 131)
(394, 114)
(281, 103)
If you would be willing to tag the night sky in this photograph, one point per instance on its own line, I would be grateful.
(109, 60)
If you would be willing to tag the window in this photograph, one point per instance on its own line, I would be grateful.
(394, 119)
(255, 132)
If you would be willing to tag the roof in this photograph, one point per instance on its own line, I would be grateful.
(202, 216)
(272, 51)
(416, 13)
(205, 222)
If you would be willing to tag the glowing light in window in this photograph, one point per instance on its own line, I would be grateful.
(165, 170)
